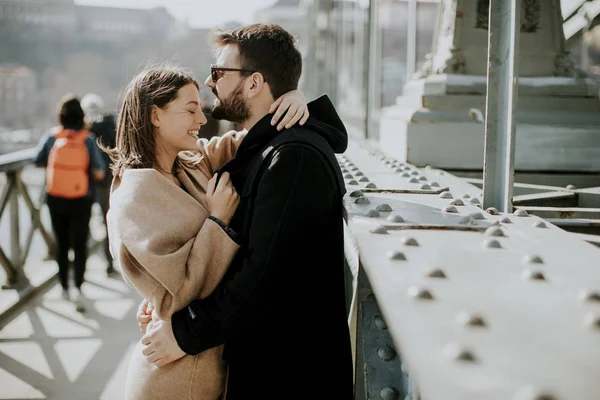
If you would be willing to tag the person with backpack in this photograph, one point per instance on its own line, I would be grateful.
(103, 125)
(73, 164)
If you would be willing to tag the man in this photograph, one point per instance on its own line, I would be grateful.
(280, 309)
(104, 127)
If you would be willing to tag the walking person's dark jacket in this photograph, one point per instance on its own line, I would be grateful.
(280, 309)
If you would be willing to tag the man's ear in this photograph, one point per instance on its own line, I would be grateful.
(154, 118)
(256, 84)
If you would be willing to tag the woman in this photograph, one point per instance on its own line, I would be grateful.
(168, 219)
(73, 163)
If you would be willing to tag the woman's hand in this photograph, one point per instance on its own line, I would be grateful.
(294, 103)
(144, 315)
(221, 198)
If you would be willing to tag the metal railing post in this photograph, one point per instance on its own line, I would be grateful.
(15, 240)
(503, 47)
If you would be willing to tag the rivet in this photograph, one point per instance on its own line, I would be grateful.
(396, 256)
(386, 353)
(450, 209)
(475, 201)
(592, 320)
(466, 196)
(419, 293)
(533, 275)
(424, 187)
(457, 353)
(492, 244)
(352, 182)
(410, 241)
(521, 213)
(531, 393)
(359, 173)
(571, 187)
(413, 180)
(436, 273)
(423, 178)
(344, 171)
(494, 231)
(457, 202)
(380, 322)
(356, 193)
(477, 215)
(373, 214)
(467, 221)
(348, 176)
(389, 393)
(590, 295)
(384, 208)
(532, 259)
(400, 169)
(395, 218)
(492, 211)
(370, 185)
(405, 175)
(379, 229)
(434, 184)
(363, 179)
(540, 224)
(362, 200)
(415, 173)
(446, 195)
(469, 319)
(505, 220)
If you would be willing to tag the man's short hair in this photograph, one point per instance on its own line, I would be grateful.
(268, 49)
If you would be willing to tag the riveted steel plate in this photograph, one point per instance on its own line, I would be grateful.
(507, 308)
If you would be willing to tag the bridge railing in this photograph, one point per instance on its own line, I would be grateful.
(454, 302)
(14, 195)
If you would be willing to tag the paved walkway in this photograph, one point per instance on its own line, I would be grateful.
(50, 351)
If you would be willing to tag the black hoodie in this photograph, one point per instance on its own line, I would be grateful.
(280, 309)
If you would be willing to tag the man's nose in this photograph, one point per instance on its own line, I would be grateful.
(209, 82)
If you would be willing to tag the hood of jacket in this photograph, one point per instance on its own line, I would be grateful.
(323, 119)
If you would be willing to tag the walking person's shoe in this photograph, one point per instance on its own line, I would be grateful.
(79, 301)
(65, 295)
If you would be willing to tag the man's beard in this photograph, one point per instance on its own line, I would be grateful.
(232, 109)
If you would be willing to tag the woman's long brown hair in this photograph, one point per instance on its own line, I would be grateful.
(136, 140)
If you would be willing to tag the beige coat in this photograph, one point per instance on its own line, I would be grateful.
(171, 254)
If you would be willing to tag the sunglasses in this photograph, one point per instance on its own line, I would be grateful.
(217, 73)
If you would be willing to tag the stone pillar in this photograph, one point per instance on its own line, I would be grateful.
(440, 118)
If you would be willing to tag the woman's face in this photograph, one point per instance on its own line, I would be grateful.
(177, 125)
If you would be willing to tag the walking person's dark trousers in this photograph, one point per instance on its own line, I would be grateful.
(71, 230)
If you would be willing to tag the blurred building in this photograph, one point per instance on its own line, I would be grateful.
(18, 96)
(54, 14)
(111, 23)
(102, 23)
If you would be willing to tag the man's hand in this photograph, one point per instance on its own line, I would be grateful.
(160, 346)
(144, 315)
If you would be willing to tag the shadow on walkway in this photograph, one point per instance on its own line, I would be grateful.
(51, 351)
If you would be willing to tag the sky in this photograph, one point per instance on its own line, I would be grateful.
(199, 13)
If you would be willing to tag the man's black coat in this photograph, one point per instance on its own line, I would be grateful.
(280, 309)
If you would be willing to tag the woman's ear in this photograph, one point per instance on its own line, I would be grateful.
(154, 117)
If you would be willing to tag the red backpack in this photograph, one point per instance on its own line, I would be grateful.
(68, 163)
